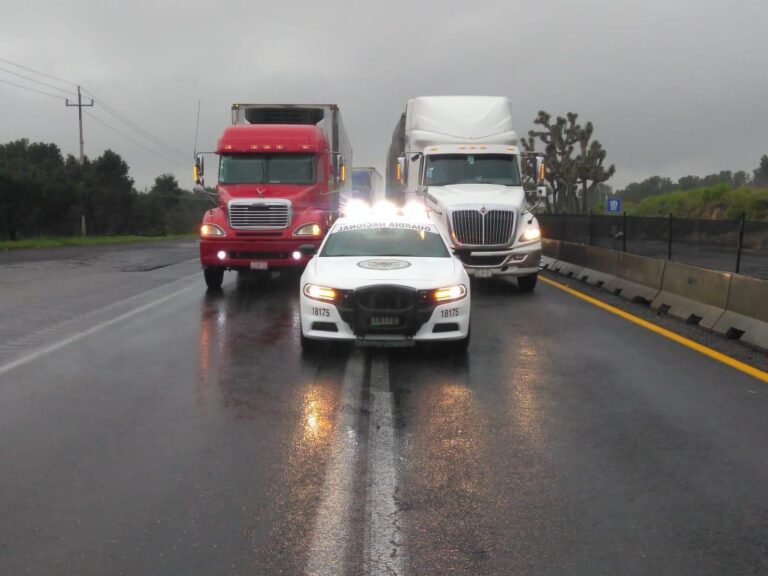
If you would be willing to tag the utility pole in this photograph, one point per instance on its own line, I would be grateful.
(82, 145)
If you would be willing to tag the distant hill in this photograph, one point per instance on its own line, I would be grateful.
(709, 202)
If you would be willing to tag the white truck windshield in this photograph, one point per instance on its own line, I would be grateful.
(445, 169)
(267, 169)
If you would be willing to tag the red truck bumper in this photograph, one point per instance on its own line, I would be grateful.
(249, 255)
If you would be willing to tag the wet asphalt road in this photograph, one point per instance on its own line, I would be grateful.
(158, 429)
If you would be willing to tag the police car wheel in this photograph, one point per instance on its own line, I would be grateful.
(527, 283)
(307, 344)
(463, 344)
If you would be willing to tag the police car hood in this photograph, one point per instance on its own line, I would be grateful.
(352, 272)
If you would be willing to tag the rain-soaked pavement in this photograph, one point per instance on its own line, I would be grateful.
(148, 427)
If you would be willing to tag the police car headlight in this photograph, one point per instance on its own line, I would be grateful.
(211, 231)
(322, 293)
(449, 294)
(530, 235)
(308, 230)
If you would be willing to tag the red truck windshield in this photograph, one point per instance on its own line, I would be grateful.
(267, 169)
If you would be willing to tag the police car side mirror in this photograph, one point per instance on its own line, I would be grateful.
(307, 250)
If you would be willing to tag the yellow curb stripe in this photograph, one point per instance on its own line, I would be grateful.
(714, 354)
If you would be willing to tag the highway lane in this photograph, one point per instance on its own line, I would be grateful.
(194, 437)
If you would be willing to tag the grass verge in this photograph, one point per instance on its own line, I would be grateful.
(59, 242)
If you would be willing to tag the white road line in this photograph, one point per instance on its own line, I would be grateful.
(384, 550)
(330, 537)
(84, 333)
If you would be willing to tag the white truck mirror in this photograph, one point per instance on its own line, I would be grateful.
(541, 170)
(400, 168)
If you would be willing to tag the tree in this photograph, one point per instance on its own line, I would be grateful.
(760, 174)
(33, 191)
(559, 139)
(652, 186)
(108, 194)
(740, 178)
(590, 167)
(575, 162)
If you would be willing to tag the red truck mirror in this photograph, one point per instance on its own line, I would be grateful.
(199, 170)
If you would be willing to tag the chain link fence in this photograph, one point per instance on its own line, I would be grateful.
(730, 245)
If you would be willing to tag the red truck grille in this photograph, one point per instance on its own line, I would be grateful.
(259, 214)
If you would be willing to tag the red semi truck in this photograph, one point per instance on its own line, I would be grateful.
(282, 173)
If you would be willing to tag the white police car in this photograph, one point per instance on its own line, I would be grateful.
(387, 280)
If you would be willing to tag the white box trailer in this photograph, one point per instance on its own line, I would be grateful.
(459, 155)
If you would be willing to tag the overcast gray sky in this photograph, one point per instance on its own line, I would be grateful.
(673, 87)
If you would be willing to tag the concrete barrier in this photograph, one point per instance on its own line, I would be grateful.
(550, 248)
(695, 295)
(572, 259)
(746, 312)
(730, 304)
(600, 266)
(636, 278)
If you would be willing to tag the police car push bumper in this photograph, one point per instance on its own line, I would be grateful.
(324, 321)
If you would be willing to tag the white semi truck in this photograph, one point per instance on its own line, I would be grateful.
(460, 156)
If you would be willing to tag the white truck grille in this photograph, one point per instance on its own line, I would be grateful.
(479, 228)
(259, 214)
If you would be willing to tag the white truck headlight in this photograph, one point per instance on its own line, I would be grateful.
(530, 235)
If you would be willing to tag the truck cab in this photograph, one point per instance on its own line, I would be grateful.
(460, 156)
(278, 191)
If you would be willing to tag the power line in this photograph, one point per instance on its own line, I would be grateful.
(145, 134)
(32, 89)
(139, 144)
(169, 148)
(37, 81)
(36, 71)
(136, 128)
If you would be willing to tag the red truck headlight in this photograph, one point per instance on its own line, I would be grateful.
(211, 231)
(313, 230)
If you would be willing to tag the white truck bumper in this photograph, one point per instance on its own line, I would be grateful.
(520, 261)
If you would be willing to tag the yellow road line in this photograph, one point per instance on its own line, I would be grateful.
(714, 354)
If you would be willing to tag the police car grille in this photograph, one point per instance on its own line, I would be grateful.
(259, 215)
(386, 298)
(474, 228)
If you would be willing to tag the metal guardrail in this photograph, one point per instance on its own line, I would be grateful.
(739, 246)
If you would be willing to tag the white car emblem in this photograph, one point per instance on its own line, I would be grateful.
(384, 264)
(260, 191)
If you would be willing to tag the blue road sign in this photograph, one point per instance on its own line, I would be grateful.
(613, 204)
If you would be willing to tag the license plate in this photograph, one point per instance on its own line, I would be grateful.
(259, 265)
(381, 321)
(480, 273)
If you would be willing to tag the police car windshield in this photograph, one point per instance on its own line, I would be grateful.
(376, 240)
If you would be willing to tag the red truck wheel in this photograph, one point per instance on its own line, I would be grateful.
(214, 277)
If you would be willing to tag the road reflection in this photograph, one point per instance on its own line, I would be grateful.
(250, 364)
(447, 478)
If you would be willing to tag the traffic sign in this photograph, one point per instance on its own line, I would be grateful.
(613, 204)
